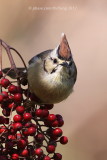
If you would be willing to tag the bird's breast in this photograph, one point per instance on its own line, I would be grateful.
(49, 88)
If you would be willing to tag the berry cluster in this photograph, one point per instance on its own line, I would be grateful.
(27, 131)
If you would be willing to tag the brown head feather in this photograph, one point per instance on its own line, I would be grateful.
(64, 49)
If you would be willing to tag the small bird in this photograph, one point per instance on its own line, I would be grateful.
(52, 74)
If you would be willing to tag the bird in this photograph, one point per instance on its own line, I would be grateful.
(51, 74)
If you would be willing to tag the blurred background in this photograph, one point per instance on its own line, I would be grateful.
(33, 26)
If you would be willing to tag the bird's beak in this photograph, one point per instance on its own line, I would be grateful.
(64, 51)
(65, 64)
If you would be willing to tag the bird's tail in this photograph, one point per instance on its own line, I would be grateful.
(11, 73)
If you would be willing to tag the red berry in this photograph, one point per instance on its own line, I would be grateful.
(24, 153)
(2, 120)
(20, 109)
(25, 132)
(63, 140)
(60, 122)
(57, 156)
(6, 120)
(12, 89)
(18, 136)
(22, 143)
(11, 97)
(38, 151)
(59, 116)
(49, 106)
(19, 89)
(33, 125)
(5, 82)
(3, 157)
(9, 145)
(51, 117)
(1, 98)
(17, 126)
(18, 97)
(4, 94)
(12, 105)
(50, 148)
(6, 112)
(46, 158)
(27, 116)
(5, 151)
(28, 124)
(39, 137)
(13, 131)
(17, 118)
(3, 106)
(57, 132)
(3, 129)
(55, 123)
(45, 112)
(31, 131)
(39, 112)
(15, 156)
(11, 137)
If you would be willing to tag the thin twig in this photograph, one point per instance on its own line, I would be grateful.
(11, 48)
(13, 66)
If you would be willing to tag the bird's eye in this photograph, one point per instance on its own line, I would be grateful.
(55, 60)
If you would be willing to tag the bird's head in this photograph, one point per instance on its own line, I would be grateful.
(60, 59)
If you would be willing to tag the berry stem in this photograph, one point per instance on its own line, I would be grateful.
(10, 118)
(19, 56)
(39, 126)
(7, 48)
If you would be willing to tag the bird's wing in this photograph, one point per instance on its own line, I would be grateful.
(22, 72)
(41, 55)
(11, 73)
